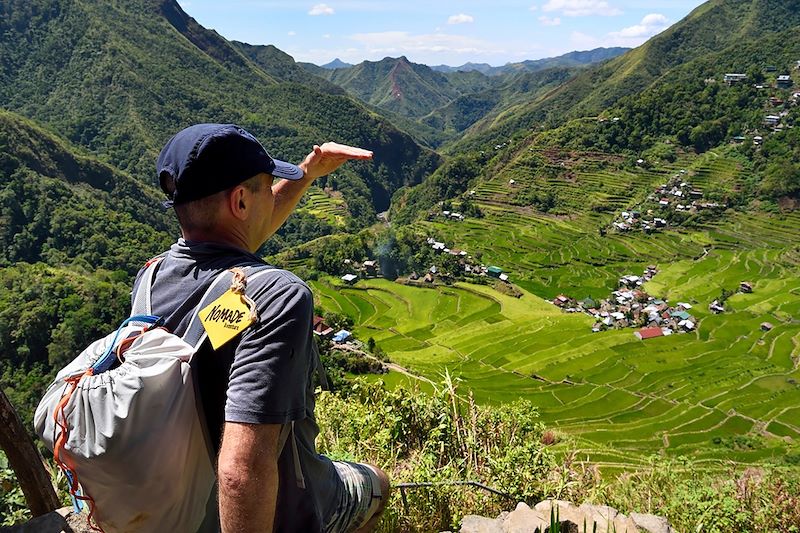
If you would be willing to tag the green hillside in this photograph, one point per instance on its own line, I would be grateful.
(722, 35)
(119, 77)
(61, 207)
(403, 87)
(725, 391)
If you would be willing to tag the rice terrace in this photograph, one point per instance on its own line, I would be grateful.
(729, 390)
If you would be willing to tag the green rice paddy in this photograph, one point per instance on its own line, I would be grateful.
(727, 391)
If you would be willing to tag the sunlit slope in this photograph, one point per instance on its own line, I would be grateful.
(622, 399)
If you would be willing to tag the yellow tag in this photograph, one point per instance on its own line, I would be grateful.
(225, 317)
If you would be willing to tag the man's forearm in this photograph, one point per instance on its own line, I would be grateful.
(320, 162)
(248, 505)
(287, 194)
(248, 477)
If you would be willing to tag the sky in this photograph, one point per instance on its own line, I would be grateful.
(435, 32)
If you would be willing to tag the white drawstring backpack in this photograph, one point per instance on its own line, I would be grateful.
(125, 427)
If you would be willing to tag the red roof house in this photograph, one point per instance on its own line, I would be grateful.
(321, 328)
(648, 333)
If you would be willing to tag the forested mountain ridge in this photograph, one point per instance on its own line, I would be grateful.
(403, 87)
(717, 27)
(60, 207)
(666, 96)
(449, 100)
(120, 77)
(570, 59)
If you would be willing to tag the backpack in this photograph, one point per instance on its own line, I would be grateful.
(124, 425)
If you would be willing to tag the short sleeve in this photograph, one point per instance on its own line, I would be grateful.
(271, 368)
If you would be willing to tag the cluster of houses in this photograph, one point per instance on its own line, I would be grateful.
(718, 307)
(464, 260)
(321, 329)
(365, 269)
(771, 120)
(783, 81)
(452, 215)
(676, 195)
(630, 307)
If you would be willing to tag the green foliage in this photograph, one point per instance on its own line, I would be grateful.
(694, 500)
(13, 508)
(450, 180)
(61, 207)
(440, 437)
(47, 317)
(118, 78)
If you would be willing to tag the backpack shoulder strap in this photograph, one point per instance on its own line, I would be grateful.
(142, 304)
(195, 333)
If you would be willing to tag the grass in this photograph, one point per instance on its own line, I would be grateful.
(618, 398)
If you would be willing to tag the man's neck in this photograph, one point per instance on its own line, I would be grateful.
(227, 239)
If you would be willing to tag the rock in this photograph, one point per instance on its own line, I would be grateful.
(47, 523)
(524, 520)
(602, 517)
(565, 527)
(582, 519)
(479, 524)
(651, 523)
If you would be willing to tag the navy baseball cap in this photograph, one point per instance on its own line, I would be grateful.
(205, 159)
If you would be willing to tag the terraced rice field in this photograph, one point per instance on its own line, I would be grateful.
(727, 391)
(322, 205)
(621, 399)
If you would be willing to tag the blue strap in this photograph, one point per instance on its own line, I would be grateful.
(106, 360)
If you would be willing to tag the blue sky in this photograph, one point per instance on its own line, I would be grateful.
(437, 32)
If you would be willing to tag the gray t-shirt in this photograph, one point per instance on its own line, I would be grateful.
(265, 375)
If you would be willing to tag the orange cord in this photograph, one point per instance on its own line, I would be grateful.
(61, 421)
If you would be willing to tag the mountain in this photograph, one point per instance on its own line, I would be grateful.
(571, 59)
(664, 98)
(282, 67)
(63, 207)
(720, 34)
(404, 88)
(336, 63)
(118, 78)
(450, 100)
(460, 114)
(483, 68)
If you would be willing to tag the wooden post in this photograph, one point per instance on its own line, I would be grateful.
(26, 461)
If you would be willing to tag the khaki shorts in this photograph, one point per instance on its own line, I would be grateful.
(359, 500)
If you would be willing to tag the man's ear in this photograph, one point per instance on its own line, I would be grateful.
(238, 203)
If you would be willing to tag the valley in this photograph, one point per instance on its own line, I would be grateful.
(493, 191)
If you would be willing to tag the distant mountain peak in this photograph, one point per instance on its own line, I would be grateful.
(336, 63)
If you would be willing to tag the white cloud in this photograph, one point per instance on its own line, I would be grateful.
(547, 21)
(321, 9)
(582, 41)
(650, 25)
(326, 36)
(402, 42)
(630, 37)
(581, 8)
(534, 8)
(291, 33)
(461, 18)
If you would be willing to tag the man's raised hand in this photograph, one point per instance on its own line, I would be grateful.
(326, 158)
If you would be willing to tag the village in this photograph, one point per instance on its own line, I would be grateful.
(773, 120)
(677, 195)
(631, 307)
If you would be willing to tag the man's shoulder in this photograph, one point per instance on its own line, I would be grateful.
(264, 279)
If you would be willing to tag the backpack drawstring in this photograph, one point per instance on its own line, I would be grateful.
(60, 419)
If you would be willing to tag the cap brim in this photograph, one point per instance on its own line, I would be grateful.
(287, 171)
